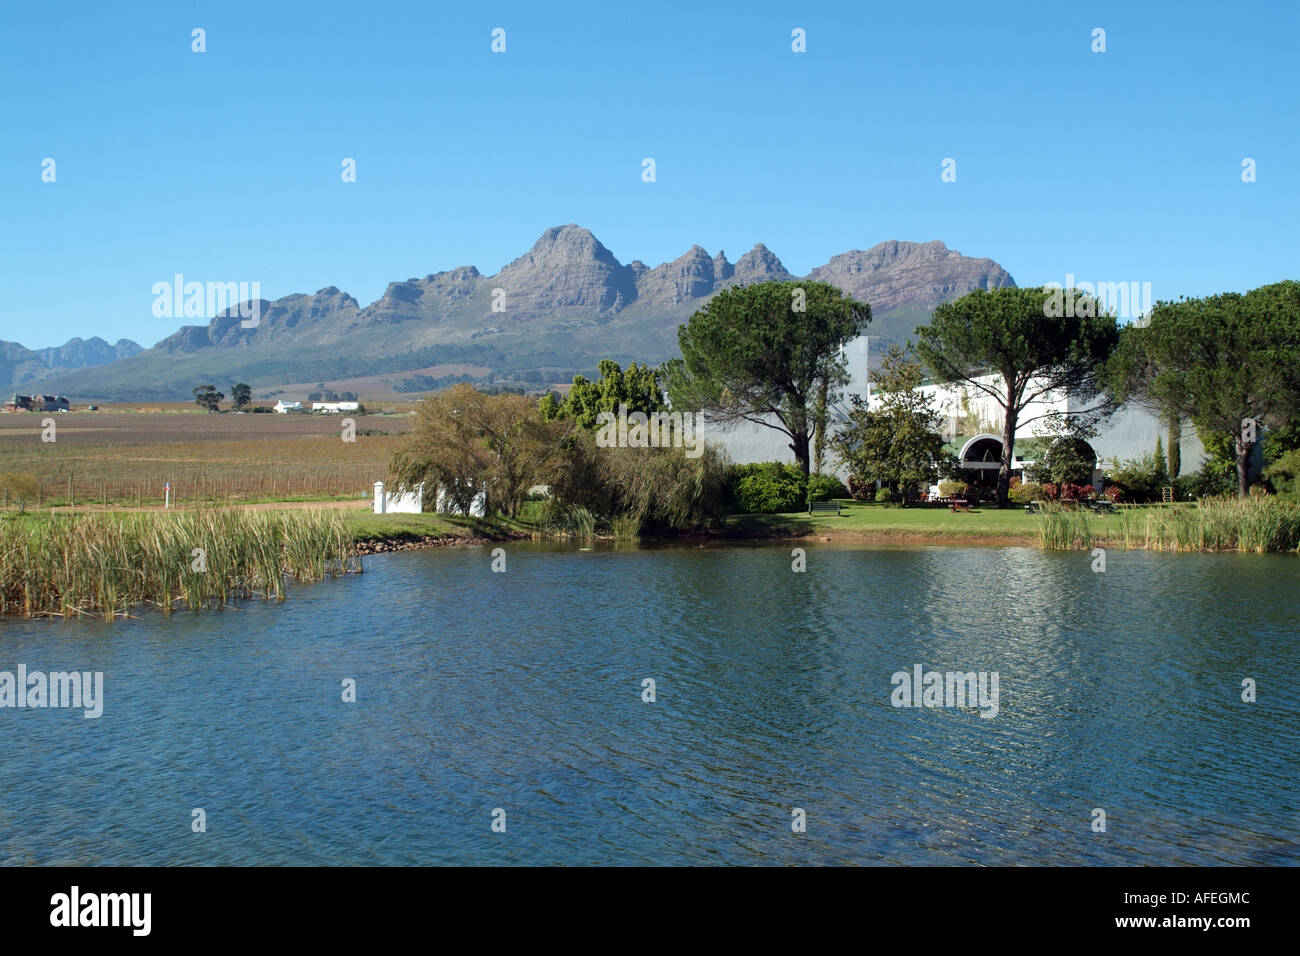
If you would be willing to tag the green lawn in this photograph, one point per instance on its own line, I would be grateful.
(870, 518)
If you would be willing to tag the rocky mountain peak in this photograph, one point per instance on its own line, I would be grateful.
(760, 265)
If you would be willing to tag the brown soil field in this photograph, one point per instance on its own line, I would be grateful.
(124, 457)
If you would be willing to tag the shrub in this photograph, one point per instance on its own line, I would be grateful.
(1283, 474)
(861, 490)
(884, 495)
(769, 487)
(1186, 487)
(1075, 492)
(650, 488)
(1026, 492)
(949, 488)
(825, 488)
(1114, 492)
(1139, 478)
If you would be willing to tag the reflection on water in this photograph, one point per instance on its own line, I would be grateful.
(522, 690)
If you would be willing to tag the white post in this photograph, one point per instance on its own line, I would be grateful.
(379, 497)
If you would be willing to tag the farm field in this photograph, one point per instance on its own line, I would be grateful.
(123, 457)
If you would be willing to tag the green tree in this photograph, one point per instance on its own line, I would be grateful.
(1162, 469)
(638, 388)
(467, 442)
(1283, 472)
(900, 443)
(1279, 441)
(1036, 341)
(763, 353)
(241, 395)
(821, 419)
(207, 397)
(1228, 363)
(1174, 426)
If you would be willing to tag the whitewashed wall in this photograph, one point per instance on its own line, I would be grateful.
(392, 503)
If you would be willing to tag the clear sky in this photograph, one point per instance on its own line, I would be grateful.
(225, 165)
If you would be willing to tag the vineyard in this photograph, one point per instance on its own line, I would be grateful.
(123, 459)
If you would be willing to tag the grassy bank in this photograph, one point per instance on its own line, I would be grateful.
(106, 564)
(393, 530)
(1256, 525)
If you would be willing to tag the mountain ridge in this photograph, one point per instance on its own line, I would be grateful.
(557, 308)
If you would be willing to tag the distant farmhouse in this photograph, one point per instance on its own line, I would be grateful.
(283, 408)
(334, 408)
(37, 403)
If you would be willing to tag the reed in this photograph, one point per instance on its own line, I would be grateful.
(1063, 528)
(105, 564)
(1256, 524)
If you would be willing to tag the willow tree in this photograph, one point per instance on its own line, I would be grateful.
(1021, 346)
(466, 442)
(764, 353)
(1228, 363)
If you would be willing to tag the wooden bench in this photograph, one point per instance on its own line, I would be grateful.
(814, 507)
(1033, 507)
(959, 504)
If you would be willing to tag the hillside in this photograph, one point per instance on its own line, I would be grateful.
(560, 307)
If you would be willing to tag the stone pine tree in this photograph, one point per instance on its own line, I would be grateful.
(1021, 346)
(207, 397)
(763, 353)
(1228, 363)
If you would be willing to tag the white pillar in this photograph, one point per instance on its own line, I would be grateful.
(379, 497)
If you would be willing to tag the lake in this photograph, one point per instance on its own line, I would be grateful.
(523, 692)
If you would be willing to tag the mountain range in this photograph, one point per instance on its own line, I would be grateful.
(553, 312)
(21, 366)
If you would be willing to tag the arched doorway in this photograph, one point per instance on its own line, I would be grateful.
(980, 460)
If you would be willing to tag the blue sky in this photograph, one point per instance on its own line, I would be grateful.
(225, 165)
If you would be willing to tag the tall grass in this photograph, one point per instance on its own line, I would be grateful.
(1258, 524)
(561, 521)
(1064, 528)
(105, 564)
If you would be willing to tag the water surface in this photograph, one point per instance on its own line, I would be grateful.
(523, 691)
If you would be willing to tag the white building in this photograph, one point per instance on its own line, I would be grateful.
(973, 423)
(283, 408)
(334, 408)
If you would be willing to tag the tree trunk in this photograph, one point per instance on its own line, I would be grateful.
(1243, 467)
(799, 445)
(1174, 446)
(1008, 445)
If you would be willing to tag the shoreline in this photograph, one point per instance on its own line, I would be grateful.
(369, 545)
